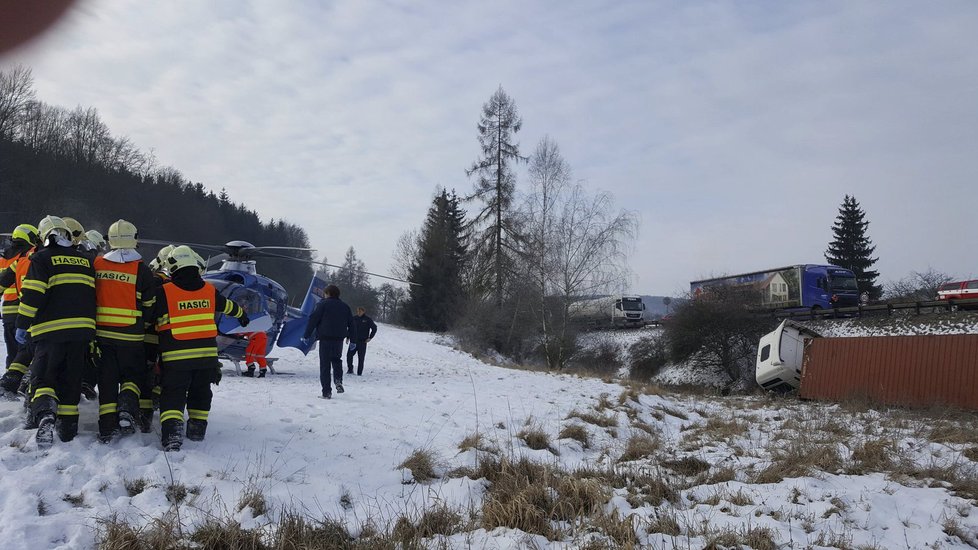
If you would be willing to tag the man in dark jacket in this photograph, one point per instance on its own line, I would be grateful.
(365, 331)
(332, 321)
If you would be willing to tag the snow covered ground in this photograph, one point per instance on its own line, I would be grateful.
(718, 463)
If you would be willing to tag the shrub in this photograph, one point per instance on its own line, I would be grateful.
(647, 357)
(602, 358)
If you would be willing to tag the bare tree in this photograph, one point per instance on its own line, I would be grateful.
(918, 286)
(16, 92)
(405, 254)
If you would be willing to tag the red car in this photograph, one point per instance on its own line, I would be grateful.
(959, 290)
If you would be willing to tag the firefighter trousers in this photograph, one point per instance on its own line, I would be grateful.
(56, 373)
(121, 372)
(9, 331)
(186, 387)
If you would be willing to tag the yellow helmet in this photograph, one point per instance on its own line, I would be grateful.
(122, 234)
(52, 224)
(95, 238)
(201, 262)
(181, 257)
(159, 262)
(26, 232)
(76, 230)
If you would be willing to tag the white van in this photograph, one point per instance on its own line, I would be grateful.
(780, 355)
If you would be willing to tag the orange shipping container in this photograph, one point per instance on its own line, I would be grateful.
(916, 371)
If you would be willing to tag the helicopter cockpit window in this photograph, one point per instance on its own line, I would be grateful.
(248, 299)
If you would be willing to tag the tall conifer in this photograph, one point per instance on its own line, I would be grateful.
(851, 247)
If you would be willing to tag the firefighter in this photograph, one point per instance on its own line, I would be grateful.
(150, 388)
(23, 240)
(77, 231)
(95, 242)
(57, 307)
(185, 320)
(125, 296)
(255, 354)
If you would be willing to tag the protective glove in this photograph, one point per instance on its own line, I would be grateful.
(243, 320)
(353, 346)
(21, 336)
(216, 377)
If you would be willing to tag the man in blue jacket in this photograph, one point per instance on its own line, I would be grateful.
(332, 320)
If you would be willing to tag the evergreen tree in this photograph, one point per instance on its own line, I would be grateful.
(351, 277)
(435, 303)
(497, 243)
(852, 249)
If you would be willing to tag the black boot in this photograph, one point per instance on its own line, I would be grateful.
(172, 435)
(67, 427)
(45, 431)
(196, 429)
(261, 373)
(108, 427)
(145, 420)
(10, 381)
(250, 373)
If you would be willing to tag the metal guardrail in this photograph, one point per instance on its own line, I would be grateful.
(933, 306)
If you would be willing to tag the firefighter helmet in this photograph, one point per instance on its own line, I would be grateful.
(26, 232)
(122, 234)
(181, 257)
(94, 237)
(159, 262)
(52, 224)
(76, 229)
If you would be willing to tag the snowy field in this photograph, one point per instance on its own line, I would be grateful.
(669, 470)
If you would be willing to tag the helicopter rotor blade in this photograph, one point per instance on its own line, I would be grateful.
(215, 260)
(215, 247)
(296, 248)
(269, 254)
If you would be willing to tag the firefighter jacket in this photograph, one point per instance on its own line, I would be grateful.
(10, 301)
(185, 321)
(150, 338)
(57, 300)
(125, 295)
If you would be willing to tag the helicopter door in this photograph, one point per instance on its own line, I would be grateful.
(252, 302)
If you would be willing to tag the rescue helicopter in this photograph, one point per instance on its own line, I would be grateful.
(264, 300)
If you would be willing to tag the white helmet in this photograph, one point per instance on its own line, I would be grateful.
(122, 234)
(159, 262)
(181, 257)
(53, 224)
(76, 229)
(95, 238)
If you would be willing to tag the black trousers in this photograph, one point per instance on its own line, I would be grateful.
(57, 374)
(121, 372)
(9, 331)
(330, 358)
(185, 387)
(360, 352)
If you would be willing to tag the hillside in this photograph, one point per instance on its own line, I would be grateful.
(614, 466)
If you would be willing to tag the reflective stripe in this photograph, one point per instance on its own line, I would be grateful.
(63, 324)
(175, 319)
(18, 367)
(130, 386)
(10, 309)
(10, 293)
(108, 408)
(189, 330)
(25, 310)
(67, 410)
(44, 392)
(171, 415)
(197, 414)
(118, 336)
(145, 403)
(35, 285)
(157, 390)
(183, 354)
(71, 279)
(151, 338)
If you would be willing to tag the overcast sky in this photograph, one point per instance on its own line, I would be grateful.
(733, 129)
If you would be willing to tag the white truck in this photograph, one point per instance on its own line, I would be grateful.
(610, 311)
(780, 355)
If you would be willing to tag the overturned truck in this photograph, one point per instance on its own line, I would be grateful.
(916, 371)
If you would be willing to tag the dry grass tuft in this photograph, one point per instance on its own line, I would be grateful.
(226, 534)
(644, 426)
(440, 520)
(577, 433)
(798, 459)
(255, 499)
(602, 421)
(666, 523)
(971, 453)
(687, 466)
(421, 463)
(135, 486)
(872, 455)
(673, 412)
(639, 446)
(536, 439)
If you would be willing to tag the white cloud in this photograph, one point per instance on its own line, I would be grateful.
(733, 130)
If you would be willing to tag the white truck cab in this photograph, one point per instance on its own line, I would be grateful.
(780, 355)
